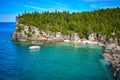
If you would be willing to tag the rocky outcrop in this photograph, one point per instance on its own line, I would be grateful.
(25, 33)
(112, 55)
(30, 33)
(92, 37)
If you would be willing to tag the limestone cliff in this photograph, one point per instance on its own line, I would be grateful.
(30, 33)
(25, 33)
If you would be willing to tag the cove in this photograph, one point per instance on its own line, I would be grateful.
(51, 61)
(60, 62)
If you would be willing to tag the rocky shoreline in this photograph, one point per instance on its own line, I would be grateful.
(112, 55)
(23, 33)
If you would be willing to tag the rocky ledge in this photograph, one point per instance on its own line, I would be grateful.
(24, 33)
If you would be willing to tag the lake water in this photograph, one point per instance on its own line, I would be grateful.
(50, 62)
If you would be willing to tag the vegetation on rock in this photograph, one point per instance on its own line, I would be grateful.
(102, 21)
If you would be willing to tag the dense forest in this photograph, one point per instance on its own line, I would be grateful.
(102, 21)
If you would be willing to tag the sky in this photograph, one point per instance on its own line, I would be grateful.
(9, 9)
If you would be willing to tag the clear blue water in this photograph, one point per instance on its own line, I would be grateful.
(50, 62)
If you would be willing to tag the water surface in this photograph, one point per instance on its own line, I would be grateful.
(50, 62)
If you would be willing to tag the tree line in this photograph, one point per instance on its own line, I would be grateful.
(102, 21)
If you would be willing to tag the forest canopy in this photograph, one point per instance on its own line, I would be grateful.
(102, 21)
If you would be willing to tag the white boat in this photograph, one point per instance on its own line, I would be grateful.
(34, 47)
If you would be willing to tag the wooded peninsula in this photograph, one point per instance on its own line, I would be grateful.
(98, 27)
(102, 21)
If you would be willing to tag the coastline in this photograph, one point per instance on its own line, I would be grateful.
(23, 33)
(111, 53)
(112, 56)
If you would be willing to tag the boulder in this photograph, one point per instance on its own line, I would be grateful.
(58, 35)
(76, 37)
(92, 37)
(107, 56)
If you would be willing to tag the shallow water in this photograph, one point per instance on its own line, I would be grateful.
(50, 62)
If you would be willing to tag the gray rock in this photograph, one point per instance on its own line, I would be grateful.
(107, 56)
(92, 37)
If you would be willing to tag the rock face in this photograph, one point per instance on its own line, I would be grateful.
(76, 37)
(30, 33)
(25, 33)
(92, 37)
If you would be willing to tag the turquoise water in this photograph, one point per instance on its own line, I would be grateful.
(50, 62)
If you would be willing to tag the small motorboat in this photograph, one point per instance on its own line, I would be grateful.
(34, 47)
